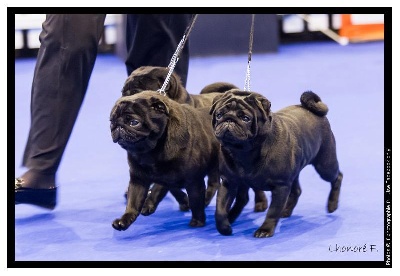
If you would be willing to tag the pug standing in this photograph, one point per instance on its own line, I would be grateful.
(152, 78)
(267, 151)
(167, 143)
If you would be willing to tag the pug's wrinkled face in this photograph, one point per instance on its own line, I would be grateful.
(237, 116)
(138, 123)
(233, 122)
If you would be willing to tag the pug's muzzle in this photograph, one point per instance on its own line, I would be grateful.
(230, 128)
(124, 137)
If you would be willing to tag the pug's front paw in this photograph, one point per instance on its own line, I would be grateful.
(148, 209)
(264, 232)
(196, 223)
(224, 229)
(124, 222)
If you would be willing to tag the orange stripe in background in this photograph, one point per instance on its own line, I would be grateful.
(360, 32)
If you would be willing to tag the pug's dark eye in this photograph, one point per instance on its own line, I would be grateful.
(218, 116)
(133, 122)
(246, 118)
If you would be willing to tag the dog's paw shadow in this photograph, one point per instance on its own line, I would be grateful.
(290, 228)
(161, 223)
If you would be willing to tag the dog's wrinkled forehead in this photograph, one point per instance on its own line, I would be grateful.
(146, 97)
(125, 104)
(235, 101)
(128, 100)
(131, 100)
(252, 101)
(145, 100)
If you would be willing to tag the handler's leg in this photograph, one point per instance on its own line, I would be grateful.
(152, 40)
(64, 64)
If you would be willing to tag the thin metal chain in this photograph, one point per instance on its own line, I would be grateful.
(175, 56)
(247, 81)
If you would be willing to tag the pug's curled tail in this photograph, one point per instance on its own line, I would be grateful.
(312, 102)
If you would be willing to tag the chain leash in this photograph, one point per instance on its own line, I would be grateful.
(247, 81)
(175, 56)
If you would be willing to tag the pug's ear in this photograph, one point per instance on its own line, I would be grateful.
(159, 74)
(266, 107)
(262, 103)
(159, 106)
(174, 86)
(126, 88)
(215, 102)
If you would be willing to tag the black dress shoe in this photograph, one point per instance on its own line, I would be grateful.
(45, 198)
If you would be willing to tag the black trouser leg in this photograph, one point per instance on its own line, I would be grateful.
(64, 64)
(152, 40)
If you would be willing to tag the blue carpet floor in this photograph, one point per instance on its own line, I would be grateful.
(93, 174)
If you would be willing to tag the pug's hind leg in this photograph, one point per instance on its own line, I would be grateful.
(294, 195)
(212, 186)
(261, 201)
(182, 199)
(327, 166)
(154, 197)
(279, 197)
(242, 198)
(333, 200)
(196, 192)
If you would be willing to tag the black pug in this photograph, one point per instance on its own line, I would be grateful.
(167, 143)
(267, 151)
(152, 78)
